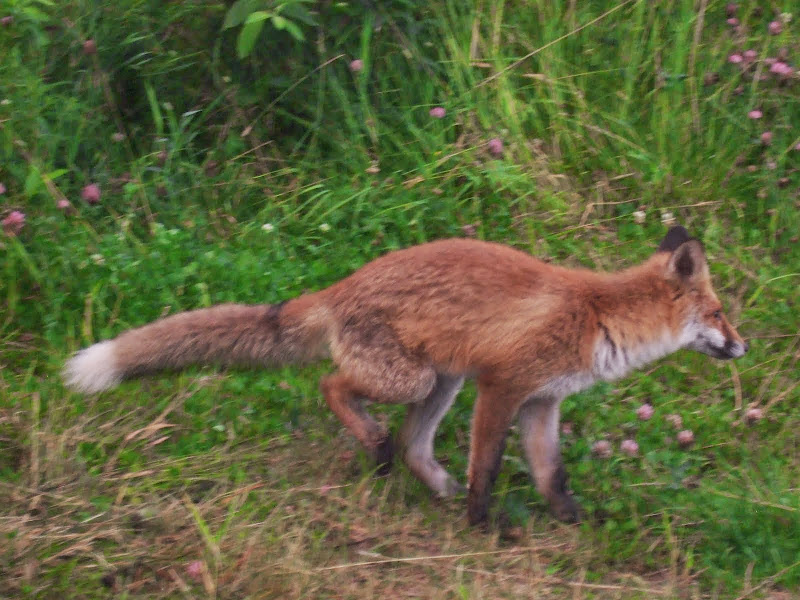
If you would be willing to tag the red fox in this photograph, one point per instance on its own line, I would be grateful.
(410, 326)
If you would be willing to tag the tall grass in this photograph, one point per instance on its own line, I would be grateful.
(253, 180)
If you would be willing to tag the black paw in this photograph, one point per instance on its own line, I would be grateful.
(565, 509)
(477, 510)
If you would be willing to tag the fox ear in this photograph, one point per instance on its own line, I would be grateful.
(688, 262)
(675, 237)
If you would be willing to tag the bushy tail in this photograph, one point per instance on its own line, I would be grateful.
(227, 334)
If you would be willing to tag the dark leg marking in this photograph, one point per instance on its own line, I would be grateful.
(498, 462)
(384, 455)
(560, 480)
(478, 499)
(562, 504)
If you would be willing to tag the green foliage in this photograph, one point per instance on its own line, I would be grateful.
(30, 17)
(242, 158)
(253, 14)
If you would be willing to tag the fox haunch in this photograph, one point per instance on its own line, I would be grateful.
(410, 326)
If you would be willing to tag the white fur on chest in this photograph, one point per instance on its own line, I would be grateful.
(613, 360)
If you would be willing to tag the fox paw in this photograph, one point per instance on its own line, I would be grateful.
(565, 509)
(451, 488)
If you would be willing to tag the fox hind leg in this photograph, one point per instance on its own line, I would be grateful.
(417, 435)
(374, 366)
(345, 400)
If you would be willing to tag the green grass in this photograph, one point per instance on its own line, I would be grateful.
(241, 484)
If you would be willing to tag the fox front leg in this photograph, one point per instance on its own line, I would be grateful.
(490, 422)
(538, 420)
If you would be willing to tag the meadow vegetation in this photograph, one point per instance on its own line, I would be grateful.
(156, 157)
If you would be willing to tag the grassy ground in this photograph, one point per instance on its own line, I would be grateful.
(255, 179)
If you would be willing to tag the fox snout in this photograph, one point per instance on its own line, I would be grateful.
(734, 346)
(721, 341)
(734, 349)
(727, 350)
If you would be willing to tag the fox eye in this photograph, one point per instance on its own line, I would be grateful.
(717, 315)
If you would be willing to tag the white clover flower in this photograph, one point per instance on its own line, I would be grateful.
(268, 227)
(639, 216)
(324, 227)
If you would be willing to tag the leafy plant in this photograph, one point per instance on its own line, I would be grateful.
(252, 15)
(253, 181)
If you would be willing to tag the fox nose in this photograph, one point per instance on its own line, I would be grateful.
(746, 346)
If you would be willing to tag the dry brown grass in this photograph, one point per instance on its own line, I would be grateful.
(306, 523)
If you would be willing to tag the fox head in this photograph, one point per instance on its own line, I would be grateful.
(705, 326)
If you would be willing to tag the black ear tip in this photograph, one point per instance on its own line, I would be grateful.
(676, 236)
(678, 230)
(685, 265)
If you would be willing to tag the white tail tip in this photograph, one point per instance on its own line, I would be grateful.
(93, 369)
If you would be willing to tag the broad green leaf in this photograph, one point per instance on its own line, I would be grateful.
(238, 13)
(279, 22)
(257, 16)
(295, 31)
(297, 12)
(249, 34)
